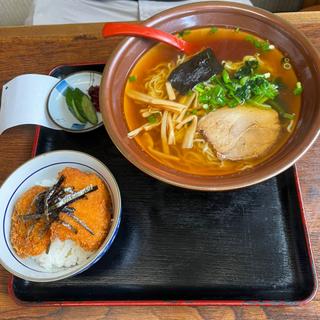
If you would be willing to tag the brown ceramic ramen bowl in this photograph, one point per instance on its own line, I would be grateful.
(262, 23)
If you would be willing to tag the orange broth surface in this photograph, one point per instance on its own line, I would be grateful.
(227, 44)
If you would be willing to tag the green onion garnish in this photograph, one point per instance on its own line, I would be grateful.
(183, 33)
(225, 76)
(213, 29)
(152, 119)
(263, 45)
(132, 78)
(298, 89)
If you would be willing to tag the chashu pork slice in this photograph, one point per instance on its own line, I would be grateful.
(240, 133)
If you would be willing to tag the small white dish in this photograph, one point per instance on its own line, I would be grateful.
(46, 167)
(57, 108)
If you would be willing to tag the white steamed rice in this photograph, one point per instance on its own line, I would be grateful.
(62, 254)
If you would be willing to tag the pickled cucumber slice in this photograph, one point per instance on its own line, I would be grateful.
(89, 110)
(85, 106)
(72, 107)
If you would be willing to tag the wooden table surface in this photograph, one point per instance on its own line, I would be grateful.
(37, 50)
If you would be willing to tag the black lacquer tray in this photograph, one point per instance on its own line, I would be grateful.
(177, 246)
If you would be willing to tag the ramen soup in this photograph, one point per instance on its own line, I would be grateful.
(220, 111)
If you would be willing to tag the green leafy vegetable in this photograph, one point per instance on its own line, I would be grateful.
(152, 119)
(244, 85)
(262, 88)
(183, 33)
(264, 46)
(213, 29)
(225, 76)
(237, 29)
(249, 68)
(298, 89)
(279, 82)
(277, 106)
(192, 112)
(132, 78)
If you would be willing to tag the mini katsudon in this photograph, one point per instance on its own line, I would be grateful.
(62, 225)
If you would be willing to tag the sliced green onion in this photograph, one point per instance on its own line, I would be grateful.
(259, 105)
(298, 89)
(243, 80)
(259, 44)
(199, 89)
(132, 78)
(277, 107)
(152, 118)
(225, 76)
(183, 33)
(213, 29)
(289, 116)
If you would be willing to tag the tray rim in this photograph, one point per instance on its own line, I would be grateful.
(306, 300)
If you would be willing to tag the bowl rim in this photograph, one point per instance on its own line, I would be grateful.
(98, 125)
(173, 179)
(115, 196)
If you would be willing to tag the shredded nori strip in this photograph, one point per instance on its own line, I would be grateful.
(69, 198)
(50, 203)
(69, 211)
(69, 226)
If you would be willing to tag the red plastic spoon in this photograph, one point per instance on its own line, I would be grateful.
(112, 29)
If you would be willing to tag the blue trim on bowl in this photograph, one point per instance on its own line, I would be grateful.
(107, 247)
(78, 126)
(61, 86)
(50, 165)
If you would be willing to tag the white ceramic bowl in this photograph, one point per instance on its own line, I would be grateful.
(57, 108)
(46, 166)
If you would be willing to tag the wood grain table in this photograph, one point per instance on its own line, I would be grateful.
(39, 49)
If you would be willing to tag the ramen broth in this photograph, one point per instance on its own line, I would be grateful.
(227, 44)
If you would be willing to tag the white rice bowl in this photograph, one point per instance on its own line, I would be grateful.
(62, 254)
(64, 258)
